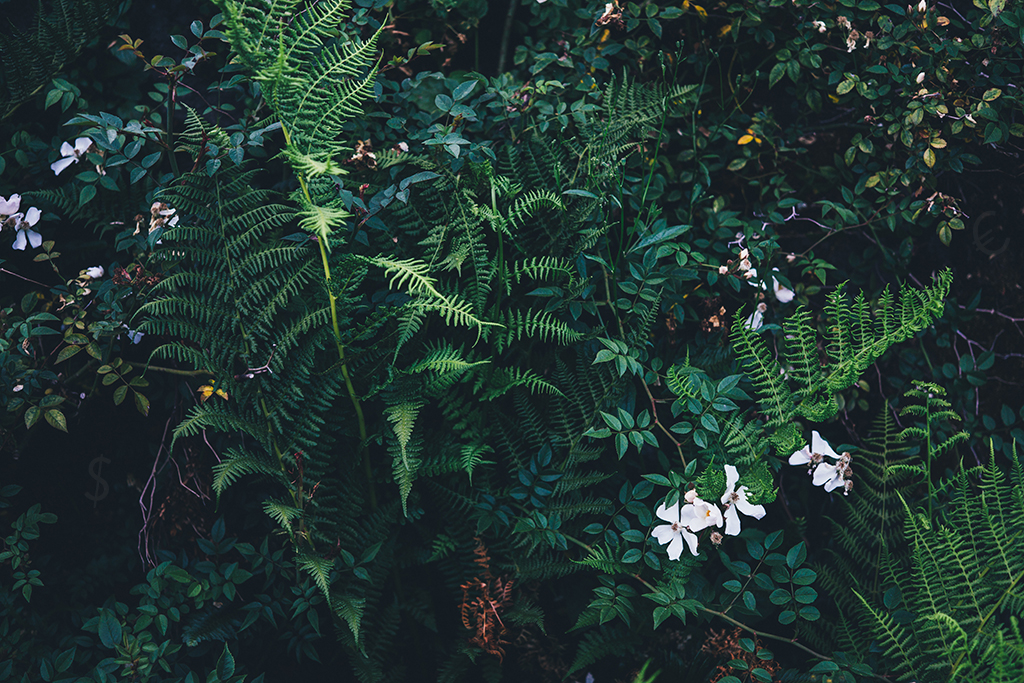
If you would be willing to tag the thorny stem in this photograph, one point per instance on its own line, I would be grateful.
(337, 341)
(654, 413)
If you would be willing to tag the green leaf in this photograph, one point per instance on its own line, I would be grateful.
(56, 419)
(67, 352)
(226, 664)
(119, 393)
(109, 630)
(776, 74)
(796, 555)
(463, 90)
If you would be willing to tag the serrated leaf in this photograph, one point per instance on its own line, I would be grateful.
(119, 393)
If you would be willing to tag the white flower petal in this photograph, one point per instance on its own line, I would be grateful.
(754, 320)
(732, 521)
(66, 150)
(731, 477)
(691, 540)
(824, 473)
(663, 533)
(20, 241)
(34, 238)
(58, 166)
(32, 215)
(95, 272)
(748, 508)
(821, 447)
(783, 294)
(135, 337)
(675, 548)
(9, 207)
(670, 515)
(834, 483)
(81, 145)
(801, 457)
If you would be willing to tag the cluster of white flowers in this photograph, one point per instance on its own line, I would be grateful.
(697, 515)
(831, 475)
(11, 216)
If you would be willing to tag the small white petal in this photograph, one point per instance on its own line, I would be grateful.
(32, 216)
(731, 477)
(82, 145)
(20, 241)
(66, 150)
(34, 238)
(135, 337)
(670, 515)
(801, 457)
(834, 483)
(732, 522)
(58, 166)
(9, 207)
(95, 272)
(824, 473)
(663, 533)
(675, 548)
(748, 508)
(821, 447)
(691, 540)
(783, 294)
(754, 320)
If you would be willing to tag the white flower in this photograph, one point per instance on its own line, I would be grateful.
(920, 77)
(745, 264)
(756, 319)
(700, 515)
(26, 235)
(673, 533)
(922, 6)
(9, 207)
(830, 475)
(690, 495)
(134, 336)
(783, 294)
(94, 273)
(735, 501)
(70, 155)
(820, 25)
(723, 270)
(744, 253)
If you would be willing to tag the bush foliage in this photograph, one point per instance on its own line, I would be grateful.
(535, 340)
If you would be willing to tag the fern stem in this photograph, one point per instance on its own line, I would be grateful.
(356, 405)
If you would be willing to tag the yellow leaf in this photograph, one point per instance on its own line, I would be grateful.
(745, 140)
(701, 11)
(724, 30)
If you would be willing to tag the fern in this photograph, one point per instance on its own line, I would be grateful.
(853, 341)
(961, 585)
